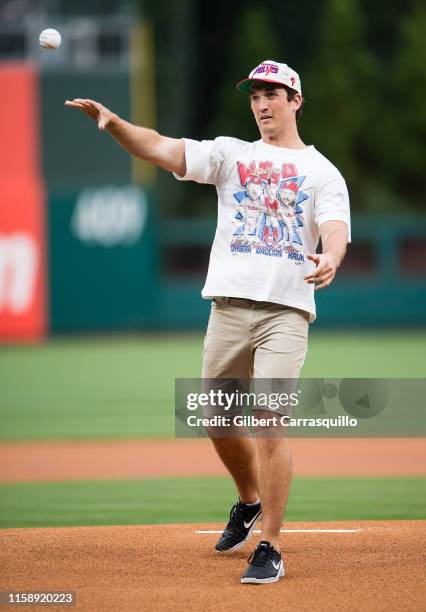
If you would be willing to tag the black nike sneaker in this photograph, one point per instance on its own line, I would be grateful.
(242, 520)
(265, 565)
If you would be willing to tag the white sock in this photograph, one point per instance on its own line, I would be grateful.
(253, 503)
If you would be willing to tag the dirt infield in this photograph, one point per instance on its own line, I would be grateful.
(63, 460)
(171, 567)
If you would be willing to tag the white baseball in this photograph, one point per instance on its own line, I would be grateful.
(50, 39)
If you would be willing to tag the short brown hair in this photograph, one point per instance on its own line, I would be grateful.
(291, 93)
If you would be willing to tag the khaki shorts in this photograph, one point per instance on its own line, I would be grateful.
(247, 339)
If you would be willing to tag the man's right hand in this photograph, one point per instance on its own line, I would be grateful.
(96, 111)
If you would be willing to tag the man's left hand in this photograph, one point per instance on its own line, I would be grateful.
(326, 266)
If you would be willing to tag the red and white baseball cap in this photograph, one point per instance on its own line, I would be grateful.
(272, 72)
(292, 185)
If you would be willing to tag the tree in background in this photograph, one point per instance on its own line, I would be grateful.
(405, 133)
(362, 68)
(253, 42)
(174, 23)
(341, 90)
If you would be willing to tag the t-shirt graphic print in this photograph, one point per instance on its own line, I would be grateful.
(269, 211)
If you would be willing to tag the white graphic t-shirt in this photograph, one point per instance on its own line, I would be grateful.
(271, 202)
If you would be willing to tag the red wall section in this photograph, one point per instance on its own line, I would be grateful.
(19, 117)
(22, 208)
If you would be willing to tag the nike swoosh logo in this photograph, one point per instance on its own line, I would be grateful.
(276, 566)
(250, 523)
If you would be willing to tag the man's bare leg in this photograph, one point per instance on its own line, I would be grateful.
(274, 478)
(239, 457)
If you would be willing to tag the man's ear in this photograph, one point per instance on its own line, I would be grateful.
(297, 100)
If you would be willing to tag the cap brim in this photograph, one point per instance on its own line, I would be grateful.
(245, 84)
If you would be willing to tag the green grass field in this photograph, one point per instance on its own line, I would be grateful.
(193, 500)
(123, 387)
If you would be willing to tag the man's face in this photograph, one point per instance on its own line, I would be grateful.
(272, 110)
(254, 191)
(288, 196)
(271, 191)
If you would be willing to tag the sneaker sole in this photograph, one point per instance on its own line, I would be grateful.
(242, 543)
(280, 574)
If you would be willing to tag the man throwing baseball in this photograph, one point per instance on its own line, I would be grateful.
(262, 275)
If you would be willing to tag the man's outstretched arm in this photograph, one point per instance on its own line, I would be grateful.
(149, 145)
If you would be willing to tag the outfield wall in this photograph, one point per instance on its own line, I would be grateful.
(105, 261)
(381, 283)
(82, 248)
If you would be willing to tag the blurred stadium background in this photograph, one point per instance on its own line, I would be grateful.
(102, 258)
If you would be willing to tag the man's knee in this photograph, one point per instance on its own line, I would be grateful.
(269, 444)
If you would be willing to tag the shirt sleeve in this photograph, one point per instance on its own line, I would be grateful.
(332, 202)
(204, 161)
